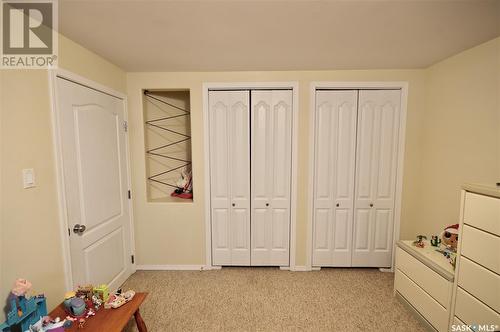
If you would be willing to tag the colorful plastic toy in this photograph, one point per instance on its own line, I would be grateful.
(32, 310)
(102, 291)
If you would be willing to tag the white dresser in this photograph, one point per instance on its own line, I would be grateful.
(424, 281)
(476, 291)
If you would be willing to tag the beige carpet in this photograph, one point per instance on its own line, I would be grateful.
(267, 299)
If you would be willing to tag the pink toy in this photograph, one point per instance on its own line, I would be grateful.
(21, 287)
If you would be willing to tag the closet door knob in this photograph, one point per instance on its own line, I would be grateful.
(234, 204)
(371, 204)
(267, 204)
(338, 204)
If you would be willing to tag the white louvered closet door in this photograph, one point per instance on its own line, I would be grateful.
(271, 122)
(230, 177)
(335, 149)
(376, 162)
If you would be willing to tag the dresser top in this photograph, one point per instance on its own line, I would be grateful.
(430, 257)
(484, 189)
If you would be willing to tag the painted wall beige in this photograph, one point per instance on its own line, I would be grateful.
(452, 136)
(174, 233)
(460, 132)
(441, 110)
(30, 243)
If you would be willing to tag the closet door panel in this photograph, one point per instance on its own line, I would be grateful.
(281, 148)
(362, 235)
(378, 123)
(230, 182)
(271, 166)
(335, 145)
(342, 234)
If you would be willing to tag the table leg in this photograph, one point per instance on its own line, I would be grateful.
(141, 326)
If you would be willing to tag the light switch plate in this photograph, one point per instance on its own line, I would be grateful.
(28, 178)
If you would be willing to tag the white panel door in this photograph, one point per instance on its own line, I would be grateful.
(230, 177)
(335, 150)
(271, 123)
(376, 162)
(95, 183)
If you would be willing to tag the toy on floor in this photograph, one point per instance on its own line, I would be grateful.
(449, 237)
(419, 242)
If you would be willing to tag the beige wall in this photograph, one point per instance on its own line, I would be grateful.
(450, 100)
(452, 136)
(174, 233)
(30, 246)
(460, 133)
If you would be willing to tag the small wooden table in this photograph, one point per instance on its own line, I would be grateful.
(108, 319)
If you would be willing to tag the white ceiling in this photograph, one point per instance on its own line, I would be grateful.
(278, 35)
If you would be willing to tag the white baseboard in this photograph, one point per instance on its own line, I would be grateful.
(300, 268)
(171, 267)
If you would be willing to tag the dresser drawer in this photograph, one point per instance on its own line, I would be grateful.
(482, 212)
(482, 283)
(431, 310)
(481, 247)
(430, 281)
(472, 311)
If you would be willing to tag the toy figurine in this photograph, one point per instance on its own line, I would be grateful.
(81, 323)
(419, 242)
(435, 241)
(96, 300)
(449, 236)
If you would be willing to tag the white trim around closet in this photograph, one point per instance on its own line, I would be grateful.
(403, 86)
(294, 86)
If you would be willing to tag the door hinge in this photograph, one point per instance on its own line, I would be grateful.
(132, 259)
(125, 126)
(129, 194)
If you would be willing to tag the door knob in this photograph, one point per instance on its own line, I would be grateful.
(79, 229)
(267, 204)
(234, 204)
(371, 204)
(338, 204)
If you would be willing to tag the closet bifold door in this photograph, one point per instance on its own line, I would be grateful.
(271, 155)
(230, 177)
(335, 148)
(376, 162)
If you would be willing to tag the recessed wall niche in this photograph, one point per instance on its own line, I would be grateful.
(167, 130)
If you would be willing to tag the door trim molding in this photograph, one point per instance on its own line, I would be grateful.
(294, 86)
(53, 74)
(403, 86)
